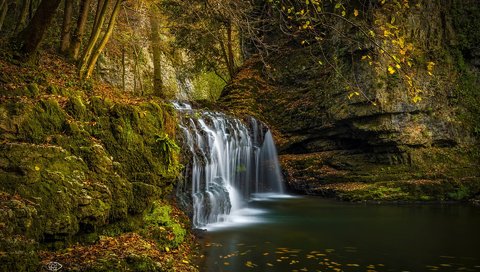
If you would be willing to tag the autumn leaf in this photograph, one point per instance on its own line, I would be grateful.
(355, 12)
(391, 70)
(416, 99)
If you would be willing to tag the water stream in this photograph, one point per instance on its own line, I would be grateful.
(231, 161)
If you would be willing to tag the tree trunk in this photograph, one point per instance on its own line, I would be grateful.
(80, 30)
(96, 31)
(32, 35)
(22, 19)
(3, 12)
(100, 5)
(124, 72)
(231, 58)
(157, 56)
(67, 26)
(224, 54)
(103, 43)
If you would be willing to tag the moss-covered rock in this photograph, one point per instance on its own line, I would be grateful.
(163, 226)
(74, 167)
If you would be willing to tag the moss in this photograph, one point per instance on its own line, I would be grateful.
(45, 119)
(143, 195)
(76, 108)
(29, 90)
(163, 227)
(425, 190)
(33, 89)
(20, 254)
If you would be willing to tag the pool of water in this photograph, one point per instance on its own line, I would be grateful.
(313, 234)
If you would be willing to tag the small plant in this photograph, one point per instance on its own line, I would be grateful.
(167, 146)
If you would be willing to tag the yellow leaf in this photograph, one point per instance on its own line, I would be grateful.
(398, 66)
(416, 99)
(350, 95)
(37, 168)
(344, 13)
(185, 261)
(391, 70)
(167, 249)
(355, 12)
(430, 66)
(364, 57)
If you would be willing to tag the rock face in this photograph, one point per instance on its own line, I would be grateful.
(76, 166)
(358, 122)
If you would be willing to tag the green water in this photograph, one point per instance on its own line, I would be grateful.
(312, 234)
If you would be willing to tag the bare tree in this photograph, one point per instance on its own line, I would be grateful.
(157, 54)
(94, 49)
(76, 42)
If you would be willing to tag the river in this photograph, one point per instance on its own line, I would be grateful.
(314, 234)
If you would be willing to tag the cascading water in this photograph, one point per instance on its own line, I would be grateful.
(230, 162)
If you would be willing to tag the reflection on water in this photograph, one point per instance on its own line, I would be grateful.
(311, 234)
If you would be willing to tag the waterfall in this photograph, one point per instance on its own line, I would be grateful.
(230, 162)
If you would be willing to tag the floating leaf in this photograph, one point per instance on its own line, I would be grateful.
(250, 264)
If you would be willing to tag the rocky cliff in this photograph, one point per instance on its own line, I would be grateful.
(350, 125)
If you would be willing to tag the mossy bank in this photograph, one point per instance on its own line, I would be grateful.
(82, 168)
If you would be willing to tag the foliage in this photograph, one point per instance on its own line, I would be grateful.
(168, 148)
(378, 38)
(209, 32)
(207, 86)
